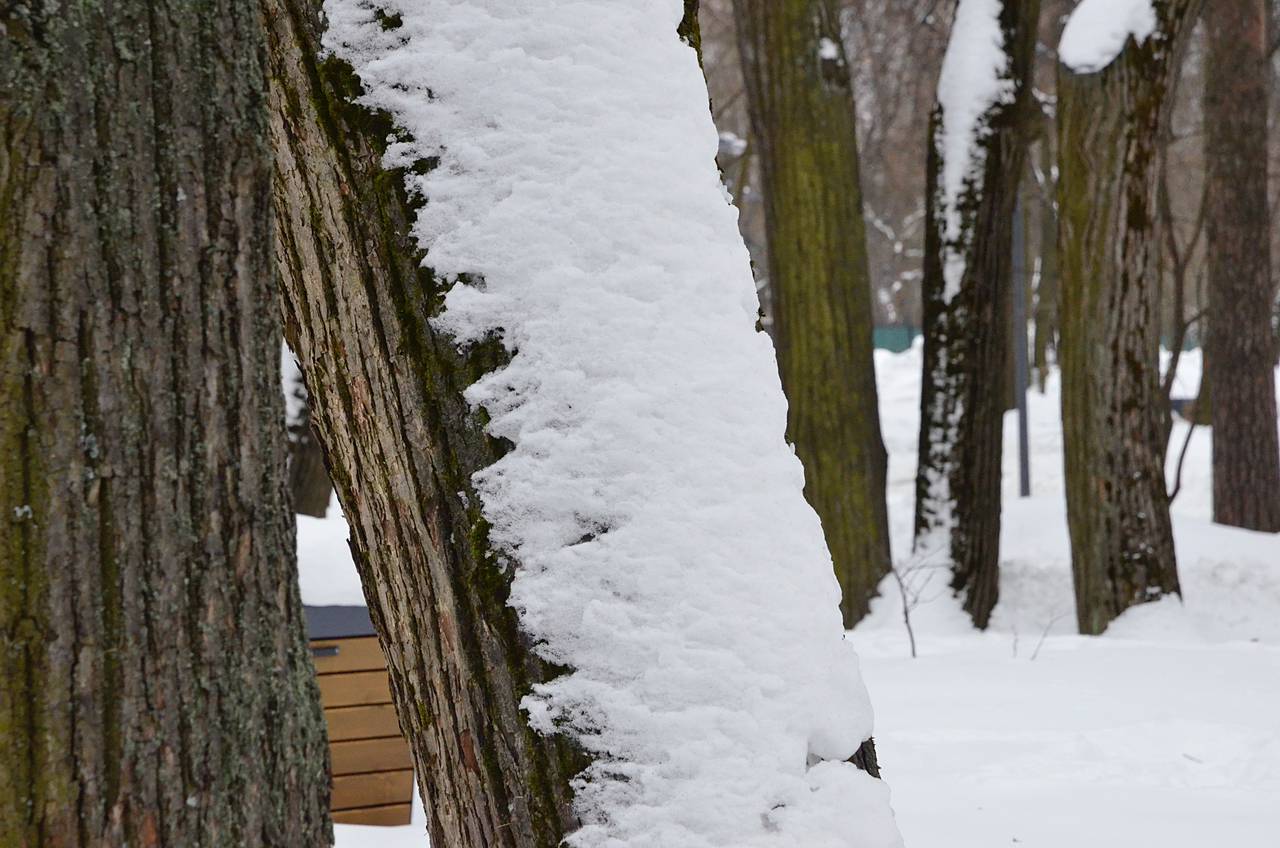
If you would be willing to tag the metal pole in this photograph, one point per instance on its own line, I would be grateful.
(1019, 282)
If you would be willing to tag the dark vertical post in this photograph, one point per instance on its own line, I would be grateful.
(1020, 346)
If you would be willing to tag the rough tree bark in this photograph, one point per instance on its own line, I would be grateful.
(157, 686)
(1113, 413)
(967, 350)
(402, 446)
(1239, 361)
(802, 114)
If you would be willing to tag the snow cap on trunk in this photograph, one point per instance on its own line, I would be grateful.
(1098, 30)
(663, 548)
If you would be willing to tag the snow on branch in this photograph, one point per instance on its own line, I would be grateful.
(664, 550)
(1098, 30)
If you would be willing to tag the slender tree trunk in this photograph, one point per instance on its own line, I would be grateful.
(1239, 364)
(402, 445)
(967, 352)
(802, 114)
(308, 477)
(1113, 412)
(1046, 314)
(157, 687)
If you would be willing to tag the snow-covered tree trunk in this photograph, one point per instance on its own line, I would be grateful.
(1117, 66)
(977, 155)
(800, 100)
(155, 683)
(582, 536)
(387, 405)
(1239, 364)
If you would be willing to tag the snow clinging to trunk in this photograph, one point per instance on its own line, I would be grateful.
(662, 546)
(974, 79)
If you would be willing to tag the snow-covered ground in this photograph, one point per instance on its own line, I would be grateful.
(1165, 731)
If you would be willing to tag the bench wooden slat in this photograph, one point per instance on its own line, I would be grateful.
(365, 755)
(362, 654)
(349, 690)
(372, 790)
(365, 722)
(389, 815)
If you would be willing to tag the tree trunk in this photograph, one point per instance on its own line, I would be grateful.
(967, 352)
(1046, 314)
(158, 689)
(308, 477)
(1239, 362)
(802, 114)
(402, 446)
(1113, 413)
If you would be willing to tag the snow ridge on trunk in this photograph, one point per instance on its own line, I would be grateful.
(665, 551)
(973, 80)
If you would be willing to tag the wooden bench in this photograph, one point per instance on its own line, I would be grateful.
(371, 765)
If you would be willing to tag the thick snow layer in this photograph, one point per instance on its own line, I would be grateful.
(663, 548)
(973, 81)
(1097, 31)
(1165, 731)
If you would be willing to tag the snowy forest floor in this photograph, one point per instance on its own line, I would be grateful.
(1165, 731)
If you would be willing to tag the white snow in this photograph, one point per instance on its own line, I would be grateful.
(665, 551)
(1098, 30)
(1165, 731)
(972, 82)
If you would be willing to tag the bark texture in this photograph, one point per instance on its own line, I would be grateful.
(157, 686)
(967, 350)
(1239, 364)
(802, 114)
(1113, 411)
(402, 445)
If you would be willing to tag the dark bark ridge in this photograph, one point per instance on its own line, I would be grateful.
(967, 338)
(800, 101)
(158, 690)
(1114, 415)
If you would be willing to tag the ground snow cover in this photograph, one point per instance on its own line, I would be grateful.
(1165, 731)
(665, 551)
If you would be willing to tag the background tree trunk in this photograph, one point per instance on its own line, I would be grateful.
(1046, 312)
(967, 351)
(1113, 411)
(402, 446)
(1239, 364)
(157, 686)
(802, 114)
(308, 477)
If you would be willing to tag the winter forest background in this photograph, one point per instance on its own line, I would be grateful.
(949, 335)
